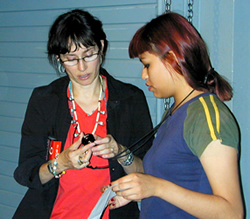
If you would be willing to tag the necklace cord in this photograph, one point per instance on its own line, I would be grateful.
(73, 108)
(134, 147)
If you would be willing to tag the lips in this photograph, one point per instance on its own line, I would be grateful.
(84, 77)
(149, 87)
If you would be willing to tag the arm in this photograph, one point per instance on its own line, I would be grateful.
(220, 164)
(33, 147)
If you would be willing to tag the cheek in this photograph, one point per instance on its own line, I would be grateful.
(156, 77)
(161, 86)
(161, 83)
(69, 70)
(95, 65)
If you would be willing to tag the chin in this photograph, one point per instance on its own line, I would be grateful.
(157, 95)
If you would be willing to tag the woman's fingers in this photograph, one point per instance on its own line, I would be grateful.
(117, 202)
(77, 156)
(77, 144)
(135, 186)
(105, 147)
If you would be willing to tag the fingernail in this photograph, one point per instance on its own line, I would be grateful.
(112, 199)
(103, 189)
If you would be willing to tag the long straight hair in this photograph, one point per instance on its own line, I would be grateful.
(172, 33)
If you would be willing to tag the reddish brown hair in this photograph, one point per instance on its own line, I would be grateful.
(172, 32)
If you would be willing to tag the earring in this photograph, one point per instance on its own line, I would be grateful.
(60, 67)
(100, 59)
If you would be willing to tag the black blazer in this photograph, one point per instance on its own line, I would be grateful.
(48, 115)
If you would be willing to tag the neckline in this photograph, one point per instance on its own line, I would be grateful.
(172, 110)
(73, 111)
(191, 100)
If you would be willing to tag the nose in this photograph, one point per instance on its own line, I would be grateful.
(81, 65)
(144, 74)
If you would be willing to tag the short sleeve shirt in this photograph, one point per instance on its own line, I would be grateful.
(180, 142)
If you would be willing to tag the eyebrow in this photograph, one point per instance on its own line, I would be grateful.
(88, 49)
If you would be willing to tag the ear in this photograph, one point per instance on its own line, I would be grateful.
(57, 58)
(102, 42)
(171, 53)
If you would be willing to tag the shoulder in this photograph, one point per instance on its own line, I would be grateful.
(207, 101)
(55, 87)
(49, 95)
(209, 119)
(209, 108)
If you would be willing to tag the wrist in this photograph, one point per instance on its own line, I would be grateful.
(53, 168)
(126, 160)
(159, 186)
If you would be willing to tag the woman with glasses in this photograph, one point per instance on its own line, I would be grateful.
(63, 119)
(191, 170)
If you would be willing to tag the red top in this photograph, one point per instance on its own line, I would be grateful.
(79, 190)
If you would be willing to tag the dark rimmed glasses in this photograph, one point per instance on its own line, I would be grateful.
(72, 62)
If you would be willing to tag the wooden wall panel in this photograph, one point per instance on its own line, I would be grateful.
(51, 5)
(7, 168)
(9, 154)
(9, 109)
(10, 124)
(13, 94)
(9, 139)
(115, 32)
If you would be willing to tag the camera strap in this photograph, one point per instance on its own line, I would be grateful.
(140, 142)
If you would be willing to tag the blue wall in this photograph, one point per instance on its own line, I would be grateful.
(24, 24)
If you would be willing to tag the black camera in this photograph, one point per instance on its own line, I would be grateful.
(88, 138)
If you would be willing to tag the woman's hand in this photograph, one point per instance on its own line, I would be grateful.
(135, 186)
(117, 201)
(106, 147)
(132, 187)
(75, 157)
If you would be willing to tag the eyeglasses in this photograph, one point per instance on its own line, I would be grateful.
(72, 62)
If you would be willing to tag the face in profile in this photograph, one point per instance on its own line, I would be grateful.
(160, 77)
